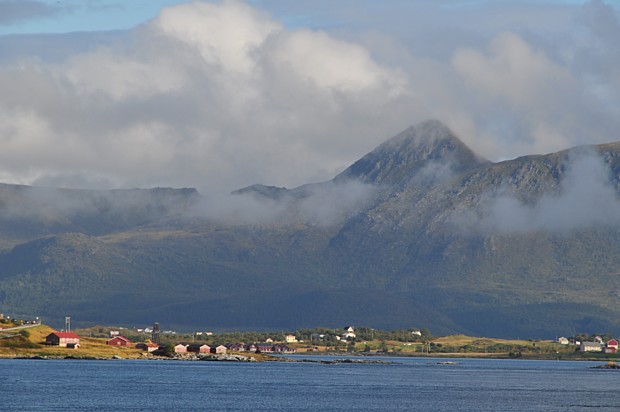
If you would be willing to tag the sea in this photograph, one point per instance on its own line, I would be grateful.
(404, 384)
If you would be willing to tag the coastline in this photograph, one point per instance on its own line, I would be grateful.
(335, 357)
(32, 345)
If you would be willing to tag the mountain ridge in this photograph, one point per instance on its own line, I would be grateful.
(421, 231)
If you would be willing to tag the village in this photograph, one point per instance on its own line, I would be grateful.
(596, 345)
(71, 340)
(153, 341)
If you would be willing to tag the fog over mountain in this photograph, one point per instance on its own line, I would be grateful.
(421, 231)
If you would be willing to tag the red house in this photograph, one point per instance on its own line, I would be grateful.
(264, 348)
(612, 343)
(63, 339)
(119, 341)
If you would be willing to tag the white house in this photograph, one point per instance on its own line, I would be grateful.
(562, 341)
(290, 339)
(591, 347)
(349, 332)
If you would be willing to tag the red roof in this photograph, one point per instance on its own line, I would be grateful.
(120, 338)
(66, 335)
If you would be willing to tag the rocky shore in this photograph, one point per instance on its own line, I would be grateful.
(177, 357)
(337, 361)
(609, 365)
(214, 358)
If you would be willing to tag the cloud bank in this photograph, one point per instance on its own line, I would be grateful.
(585, 198)
(12, 11)
(223, 95)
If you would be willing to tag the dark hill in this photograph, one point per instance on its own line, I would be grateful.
(419, 232)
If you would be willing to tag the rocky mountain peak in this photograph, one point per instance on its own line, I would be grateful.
(429, 148)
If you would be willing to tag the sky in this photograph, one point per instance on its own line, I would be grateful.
(219, 95)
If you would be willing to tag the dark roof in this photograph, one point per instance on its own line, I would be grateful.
(198, 345)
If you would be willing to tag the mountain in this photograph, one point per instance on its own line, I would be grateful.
(419, 232)
(419, 151)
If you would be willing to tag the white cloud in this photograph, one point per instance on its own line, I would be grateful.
(227, 35)
(222, 95)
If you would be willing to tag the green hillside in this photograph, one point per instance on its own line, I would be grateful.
(421, 231)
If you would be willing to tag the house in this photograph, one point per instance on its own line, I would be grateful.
(290, 339)
(250, 347)
(236, 347)
(562, 341)
(220, 350)
(416, 332)
(611, 346)
(119, 341)
(283, 349)
(349, 333)
(63, 339)
(149, 347)
(590, 347)
(264, 348)
(198, 348)
(180, 348)
(268, 340)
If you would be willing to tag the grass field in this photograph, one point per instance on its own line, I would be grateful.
(89, 347)
(32, 344)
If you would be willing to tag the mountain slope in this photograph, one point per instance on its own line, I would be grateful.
(419, 232)
(428, 151)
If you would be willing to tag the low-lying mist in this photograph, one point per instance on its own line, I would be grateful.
(587, 197)
(320, 204)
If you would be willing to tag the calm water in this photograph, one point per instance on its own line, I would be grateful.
(413, 384)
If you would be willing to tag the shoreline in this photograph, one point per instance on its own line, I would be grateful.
(335, 357)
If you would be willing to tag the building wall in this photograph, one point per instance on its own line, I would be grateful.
(65, 341)
(590, 348)
(219, 350)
